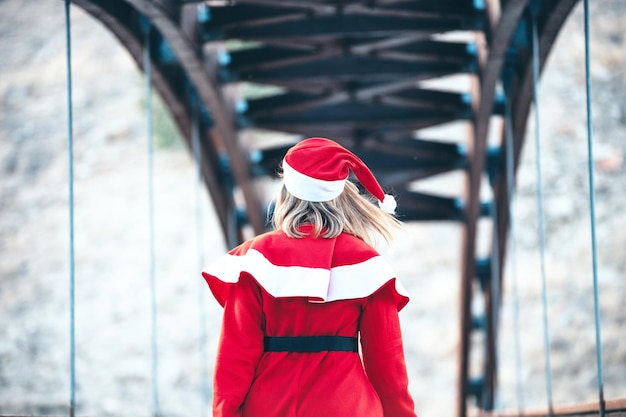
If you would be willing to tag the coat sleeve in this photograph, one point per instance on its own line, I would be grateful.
(240, 347)
(383, 353)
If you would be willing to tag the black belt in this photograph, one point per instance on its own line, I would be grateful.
(305, 344)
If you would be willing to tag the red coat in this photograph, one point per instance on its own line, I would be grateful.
(274, 285)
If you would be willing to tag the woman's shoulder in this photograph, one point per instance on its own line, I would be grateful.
(350, 239)
(262, 240)
(349, 249)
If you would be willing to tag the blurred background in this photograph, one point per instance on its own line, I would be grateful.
(112, 235)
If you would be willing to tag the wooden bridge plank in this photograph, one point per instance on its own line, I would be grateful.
(613, 408)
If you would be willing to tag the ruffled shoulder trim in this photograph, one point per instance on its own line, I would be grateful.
(319, 278)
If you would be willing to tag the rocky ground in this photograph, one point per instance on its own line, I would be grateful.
(112, 255)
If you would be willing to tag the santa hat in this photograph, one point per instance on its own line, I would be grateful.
(317, 169)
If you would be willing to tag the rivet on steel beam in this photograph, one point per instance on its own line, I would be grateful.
(471, 48)
(461, 161)
(256, 156)
(241, 106)
(475, 387)
(459, 204)
(493, 163)
(479, 322)
(499, 103)
(205, 117)
(483, 272)
(204, 13)
(485, 208)
(224, 58)
(224, 162)
(166, 53)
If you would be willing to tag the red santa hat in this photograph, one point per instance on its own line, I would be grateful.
(317, 169)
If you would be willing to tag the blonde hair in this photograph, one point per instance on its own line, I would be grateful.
(351, 212)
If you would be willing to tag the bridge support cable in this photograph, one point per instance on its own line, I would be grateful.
(494, 305)
(512, 244)
(70, 182)
(493, 313)
(202, 316)
(146, 27)
(592, 207)
(540, 209)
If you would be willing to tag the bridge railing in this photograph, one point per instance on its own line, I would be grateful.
(613, 408)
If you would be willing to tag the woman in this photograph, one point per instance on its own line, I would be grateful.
(297, 299)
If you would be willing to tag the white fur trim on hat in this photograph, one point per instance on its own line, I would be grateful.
(309, 188)
(389, 204)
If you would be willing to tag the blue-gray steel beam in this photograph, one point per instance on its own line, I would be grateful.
(187, 52)
(500, 35)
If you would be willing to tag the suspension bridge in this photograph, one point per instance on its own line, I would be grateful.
(364, 73)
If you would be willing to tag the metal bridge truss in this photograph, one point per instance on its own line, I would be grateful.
(352, 71)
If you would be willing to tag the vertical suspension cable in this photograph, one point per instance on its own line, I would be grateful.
(592, 206)
(202, 317)
(70, 182)
(510, 179)
(540, 206)
(153, 299)
(495, 290)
